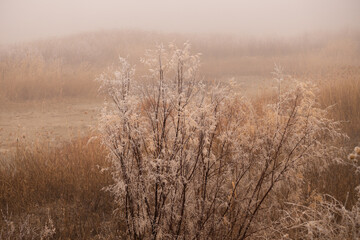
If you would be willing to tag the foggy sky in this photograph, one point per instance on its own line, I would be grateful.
(22, 20)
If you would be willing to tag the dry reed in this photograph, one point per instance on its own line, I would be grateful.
(65, 183)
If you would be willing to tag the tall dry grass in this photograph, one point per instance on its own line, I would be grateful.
(341, 90)
(31, 77)
(64, 184)
(67, 66)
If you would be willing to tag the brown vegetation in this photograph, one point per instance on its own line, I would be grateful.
(67, 67)
(64, 184)
(340, 89)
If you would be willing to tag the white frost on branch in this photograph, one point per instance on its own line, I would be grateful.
(200, 162)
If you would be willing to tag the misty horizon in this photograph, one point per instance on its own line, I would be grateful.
(31, 20)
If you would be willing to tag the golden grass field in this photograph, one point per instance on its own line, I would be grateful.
(49, 107)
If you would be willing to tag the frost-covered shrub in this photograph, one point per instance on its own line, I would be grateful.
(29, 227)
(193, 161)
(323, 217)
(326, 218)
(354, 158)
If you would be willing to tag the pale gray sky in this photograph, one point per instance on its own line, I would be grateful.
(22, 20)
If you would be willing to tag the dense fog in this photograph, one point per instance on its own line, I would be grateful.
(22, 20)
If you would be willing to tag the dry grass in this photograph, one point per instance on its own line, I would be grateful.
(63, 183)
(338, 180)
(33, 78)
(67, 67)
(341, 90)
(66, 183)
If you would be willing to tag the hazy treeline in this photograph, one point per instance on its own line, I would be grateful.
(67, 66)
